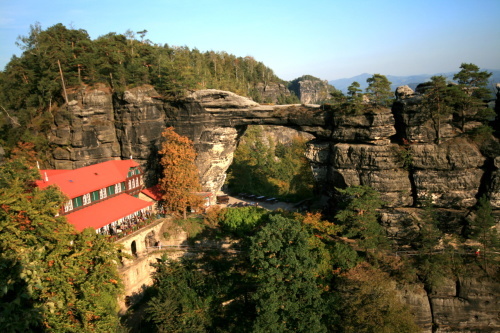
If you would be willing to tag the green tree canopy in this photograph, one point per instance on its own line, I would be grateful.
(288, 296)
(53, 279)
(379, 89)
(358, 214)
(482, 229)
(470, 94)
(437, 103)
(181, 301)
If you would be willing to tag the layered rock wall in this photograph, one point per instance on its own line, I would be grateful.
(348, 150)
(309, 91)
(393, 151)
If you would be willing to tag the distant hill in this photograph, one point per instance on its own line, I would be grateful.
(412, 80)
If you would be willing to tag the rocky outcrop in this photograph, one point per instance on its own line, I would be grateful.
(311, 90)
(450, 173)
(84, 133)
(347, 150)
(466, 305)
(272, 92)
(376, 166)
(393, 151)
(457, 305)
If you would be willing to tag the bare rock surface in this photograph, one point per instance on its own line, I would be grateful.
(394, 151)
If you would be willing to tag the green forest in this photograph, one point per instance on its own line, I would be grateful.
(292, 272)
(273, 169)
(316, 271)
(57, 59)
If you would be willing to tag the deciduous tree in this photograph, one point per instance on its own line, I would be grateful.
(180, 180)
(53, 279)
(288, 296)
(370, 303)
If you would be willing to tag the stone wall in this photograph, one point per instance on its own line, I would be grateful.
(143, 249)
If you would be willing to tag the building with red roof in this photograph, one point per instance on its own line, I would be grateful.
(101, 196)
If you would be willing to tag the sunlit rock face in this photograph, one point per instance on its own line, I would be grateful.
(392, 150)
(313, 92)
(345, 149)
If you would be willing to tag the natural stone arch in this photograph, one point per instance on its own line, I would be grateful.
(216, 146)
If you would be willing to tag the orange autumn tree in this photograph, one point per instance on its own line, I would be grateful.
(180, 181)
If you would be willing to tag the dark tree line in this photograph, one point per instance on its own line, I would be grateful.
(34, 85)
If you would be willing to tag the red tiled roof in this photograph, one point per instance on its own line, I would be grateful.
(103, 213)
(153, 192)
(75, 183)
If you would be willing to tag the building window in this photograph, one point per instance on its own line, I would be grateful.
(123, 186)
(129, 184)
(95, 195)
(137, 171)
(118, 188)
(68, 206)
(141, 182)
(77, 202)
(111, 190)
(86, 199)
(102, 193)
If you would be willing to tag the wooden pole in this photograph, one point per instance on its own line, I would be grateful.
(62, 80)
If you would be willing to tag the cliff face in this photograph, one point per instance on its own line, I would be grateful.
(311, 91)
(347, 150)
(272, 92)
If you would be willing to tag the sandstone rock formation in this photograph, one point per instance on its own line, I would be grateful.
(393, 151)
(348, 149)
(311, 90)
(272, 92)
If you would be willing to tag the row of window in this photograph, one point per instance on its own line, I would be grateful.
(134, 171)
(101, 194)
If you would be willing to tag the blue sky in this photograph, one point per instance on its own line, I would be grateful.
(329, 39)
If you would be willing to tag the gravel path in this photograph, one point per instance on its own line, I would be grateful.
(266, 205)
